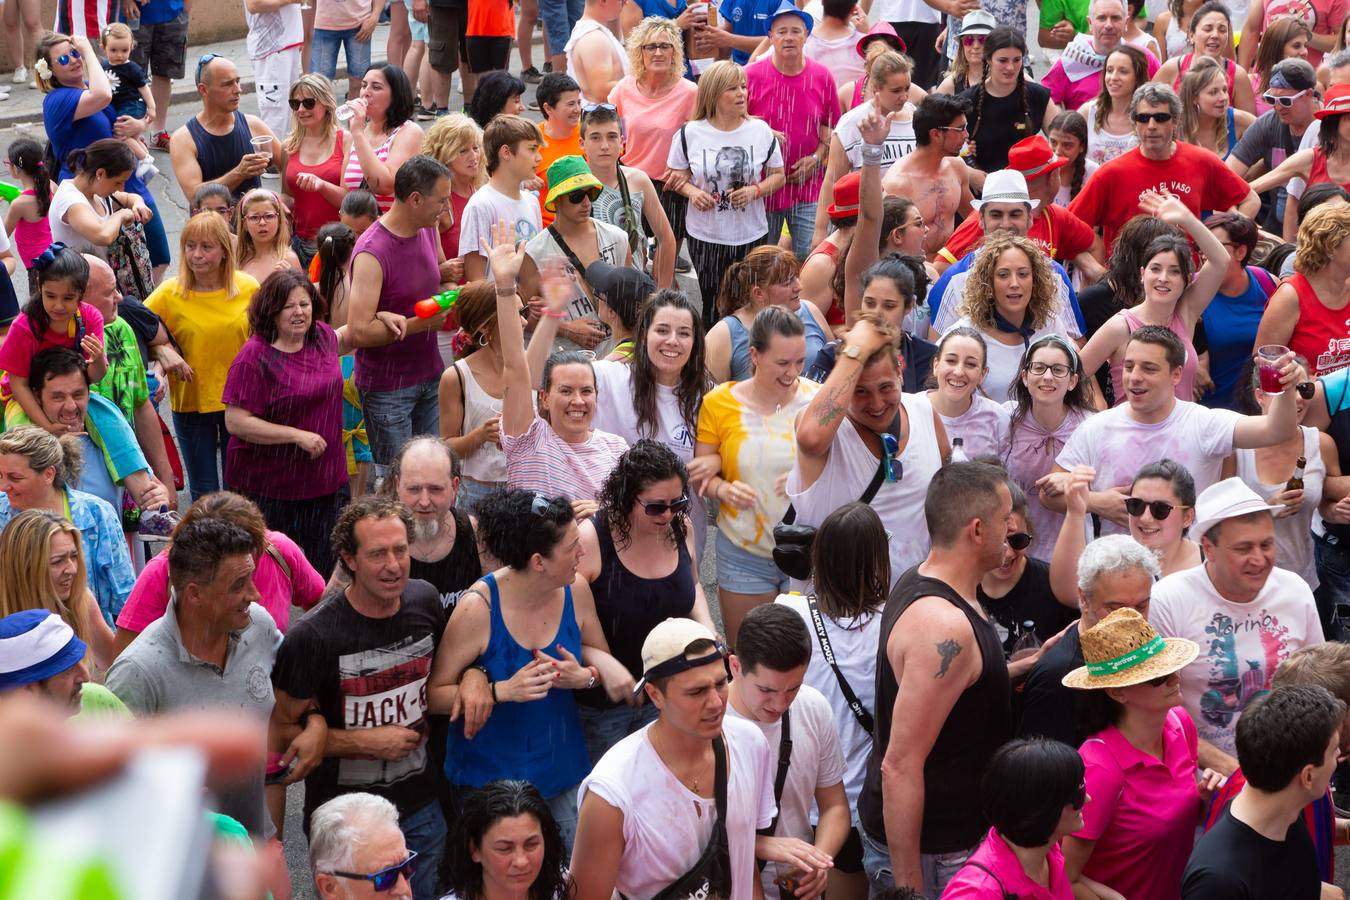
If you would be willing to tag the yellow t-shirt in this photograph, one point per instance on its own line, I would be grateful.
(210, 329)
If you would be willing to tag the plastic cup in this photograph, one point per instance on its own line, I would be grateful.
(1269, 355)
(344, 113)
(262, 145)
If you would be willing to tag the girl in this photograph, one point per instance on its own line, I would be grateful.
(335, 242)
(968, 67)
(1286, 37)
(471, 397)
(263, 236)
(1136, 36)
(1110, 128)
(1069, 139)
(1173, 25)
(1211, 35)
(1006, 107)
(852, 94)
(26, 220)
(1207, 118)
(55, 316)
(958, 370)
(216, 198)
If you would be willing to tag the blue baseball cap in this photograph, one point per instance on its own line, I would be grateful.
(35, 645)
(788, 8)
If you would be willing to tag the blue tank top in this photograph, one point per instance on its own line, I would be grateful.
(740, 342)
(539, 741)
(218, 154)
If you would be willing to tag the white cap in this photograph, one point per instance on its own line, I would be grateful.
(665, 652)
(1005, 186)
(1228, 499)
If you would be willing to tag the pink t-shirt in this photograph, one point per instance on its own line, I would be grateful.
(21, 345)
(1073, 93)
(540, 461)
(973, 883)
(651, 122)
(795, 105)
(1142, 811)
(150, 595)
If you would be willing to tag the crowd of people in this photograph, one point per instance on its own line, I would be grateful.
(1007, 400)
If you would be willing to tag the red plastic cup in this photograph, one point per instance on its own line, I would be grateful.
(1269, 355)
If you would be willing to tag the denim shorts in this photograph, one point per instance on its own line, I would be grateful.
(742, 572)
(324, 52)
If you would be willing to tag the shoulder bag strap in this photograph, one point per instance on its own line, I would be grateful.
(630, 226)
(567, 251)
(280, 560)
(720, 776)
(986, 870)
(860, 712)
(872, 486)
(784, 762)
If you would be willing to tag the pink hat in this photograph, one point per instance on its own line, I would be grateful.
(882, 31)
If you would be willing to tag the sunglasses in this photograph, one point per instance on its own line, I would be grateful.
(203, 63)
(1080, 799)
(972, 40)
(1019, 540)
(656, 508)
(306, 102)
(1160, 680)
(65, 58)
(895, 469)
(1143, 118)
(541, 505)
(385, 879)
(1286, 102)
(661, 47)
(577, 196)
(1161, 509)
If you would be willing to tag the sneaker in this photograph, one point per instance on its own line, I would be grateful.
(424, 113)
(531, 75)
(159, 523)
(682, 266)
(21, 75)
(160, 141)
(269, 175)
(146, 170)
(442, 111)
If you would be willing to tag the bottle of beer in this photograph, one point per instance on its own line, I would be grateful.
(959, 450)
(1295, 483)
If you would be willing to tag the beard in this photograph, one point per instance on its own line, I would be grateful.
(426, 529)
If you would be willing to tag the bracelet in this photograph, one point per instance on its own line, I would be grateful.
(492, 686)
(595, 677)
(506, 292)
(873, 154)
(756, 187)
(553, 314)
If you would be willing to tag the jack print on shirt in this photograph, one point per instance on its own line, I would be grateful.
(386, 686)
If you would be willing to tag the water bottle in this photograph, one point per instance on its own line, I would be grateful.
(959, 450)
(1027, 643)
(344, 113)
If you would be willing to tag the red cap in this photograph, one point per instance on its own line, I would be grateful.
(881, 31)
(1336, 103)
(1033, 157)
(845, 196)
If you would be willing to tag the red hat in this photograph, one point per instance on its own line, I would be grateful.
(1336, 102)
(884, 32)
(1033, 157)
(845, 196)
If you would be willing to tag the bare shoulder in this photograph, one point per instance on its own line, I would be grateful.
(931, 623)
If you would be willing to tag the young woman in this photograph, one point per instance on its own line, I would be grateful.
(968, 67)
(1231, 320)
(383, 133)
(1211, 35)
(505, 845)
(1207, 117)
(853, 94)
(1172, 26)
(958, 370)
(1322, 20)
(1110, 128)
(1285, 38)
(823, 273)
(471, 394)
(746, 447)
(89, 210)
(1159, 490)
(1069, 139)
(315, 151)
(262, 235)
(1005, 107)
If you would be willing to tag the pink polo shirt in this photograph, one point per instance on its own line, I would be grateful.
(1142, 811)
(1008, 875)
(150, 595)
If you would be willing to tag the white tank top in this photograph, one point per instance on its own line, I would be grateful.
(488, 462)
(1293, 534)
(1103, 146)
(583, 28)
(850, 468)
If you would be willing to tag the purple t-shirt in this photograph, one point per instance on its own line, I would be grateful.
(411, 273)
(795, 105)
(302, 390)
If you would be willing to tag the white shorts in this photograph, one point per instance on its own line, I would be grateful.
(273, 76)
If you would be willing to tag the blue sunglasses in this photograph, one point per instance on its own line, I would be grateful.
(385, 879)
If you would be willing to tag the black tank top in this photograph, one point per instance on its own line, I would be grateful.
(629, 607)
(218, 154)
(979, 723)
(455, 571)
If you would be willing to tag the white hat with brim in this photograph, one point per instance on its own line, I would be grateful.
(1123, 649)
(665, 652)
(1228, 499)
(1005, 186)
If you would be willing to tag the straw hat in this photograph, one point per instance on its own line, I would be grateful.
(1123, 649)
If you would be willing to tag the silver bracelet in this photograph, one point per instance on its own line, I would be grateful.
(873, 154)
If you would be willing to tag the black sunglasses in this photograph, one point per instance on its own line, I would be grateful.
(656, 508)
(385, 879)
(1160, 680)
(1080, 799)
(1143, 118)
(1161, 509)
(306, 102)
(1307, 389)
(577, 196)
(1019, 540)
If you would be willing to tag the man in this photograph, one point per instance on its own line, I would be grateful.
(834, 41)
(353, 837)
(276, 34)
(159, 49)
(42, 656)
(560, 101)
(510, 156)
(362, 659)
(1161, 163)
(447, 23)
(216, 144)
(943, 691)
(1076, 77)
(1338, 72)
(1274, 136)
(935, 176)
(1287, 741)
(1063, 236)
(1246, 614)
(639, 830)
(395, 263)
(773, 649)
(797, 96)
(1153, 424)
(596, 58)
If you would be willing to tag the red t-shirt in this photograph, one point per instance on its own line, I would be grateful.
(1321, 336)
(1058, 232)
(450, 236)
(1197, 176)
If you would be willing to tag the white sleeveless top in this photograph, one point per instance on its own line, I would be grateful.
(583, 28)
(1293, 534)
(1177, 39)
(488, 462)
(1102, 145)
(849, 470)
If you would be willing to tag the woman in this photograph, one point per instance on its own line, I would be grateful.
(283, 410)
(1207, 117)
(638, 556)
(1330, 159)
(498, 93)
(506, 845)
(1005, 107)
(76, 114)
(205, 308)
(1233, 317)
(1136, 16)
(1172, 26)
(1110, 128)
(1171, 298)
(1287, 37)
(42, 567)
(457, 142)
(262, 235)
(1307, 312)
(1011, 287)
(89, 210)
(1049, 402)
(36, 472)
(968, 67)
(315, 151)
(1069, 139)
(1324, 23)
(728, 163)
(1033, 795)
(1135, 812)
(471, 394)
(880, 38)
(1211, 35)
(383, 133)
(532, 626)
(767, 276)
(851, 576)
(1341, 41)
(746, 447)
(282, 575)
(959, 368)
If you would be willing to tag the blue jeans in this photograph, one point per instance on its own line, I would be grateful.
(604, 728)
(563, 805)
(559, 18)
(801, 222)
(1333, 592)
(324, 52)
(201, 443)
(393, 417)
(425, 831)
(938, 868)
(156, 240)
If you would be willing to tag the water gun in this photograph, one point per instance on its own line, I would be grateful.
(431, 306)
(9, 193)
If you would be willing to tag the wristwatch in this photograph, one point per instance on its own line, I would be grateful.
(852, 351)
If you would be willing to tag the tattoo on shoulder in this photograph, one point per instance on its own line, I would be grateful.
(947, 650)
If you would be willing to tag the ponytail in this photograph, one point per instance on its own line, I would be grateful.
(335, 242)
(110, 155)
(28, 156)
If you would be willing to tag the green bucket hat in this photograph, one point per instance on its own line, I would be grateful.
(568, 174)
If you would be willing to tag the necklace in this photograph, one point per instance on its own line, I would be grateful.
(693, 780)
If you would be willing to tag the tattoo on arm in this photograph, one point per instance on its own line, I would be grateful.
(829, 411)
(947, 650)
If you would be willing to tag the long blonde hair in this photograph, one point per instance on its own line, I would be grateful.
(321, 89)
(25, 572)
(248, 250)
(1203, 71)
(207, 226)
(716, 80)
(448, 137)
(646, 32)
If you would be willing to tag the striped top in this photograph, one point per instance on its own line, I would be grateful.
(541, 461)
(352, 176)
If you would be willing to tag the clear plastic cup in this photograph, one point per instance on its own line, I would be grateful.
(262, 145)
(1270, 354)
(344, 113)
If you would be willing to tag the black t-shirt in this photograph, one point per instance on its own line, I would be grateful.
(1047, 708)
(1232, 861)
(453, 573)
(1000, 122)
(1030, 600)
(144, 323)
(364, 673)
(127, 79)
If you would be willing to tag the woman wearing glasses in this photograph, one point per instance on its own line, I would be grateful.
(638, 555)
(262, 235)
(315, 151)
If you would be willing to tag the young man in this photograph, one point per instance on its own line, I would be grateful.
(773, 649)
(934, 175)
(629, 198)
(596, 58)
(511, 155)
(560, 101)
(648, 808)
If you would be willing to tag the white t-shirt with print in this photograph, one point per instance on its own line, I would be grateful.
(719, 162)
(899, 143)
(486, 208)
(666, 826)
(613, 244)
(64, 198)
(614, 410)
(1241, 644)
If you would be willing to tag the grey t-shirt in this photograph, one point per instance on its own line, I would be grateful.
(1269, 140)
(613, 244)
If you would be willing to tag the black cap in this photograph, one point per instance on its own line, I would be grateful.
(623, 288)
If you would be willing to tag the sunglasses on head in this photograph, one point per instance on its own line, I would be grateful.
(541, 505)
(1286, 102)
(65, 58)
(1143, 118)
(203, 63)
(385, 879)
(895, 469)
(1019, 540)
(306, 102)
(1161, 509)
(656, 508)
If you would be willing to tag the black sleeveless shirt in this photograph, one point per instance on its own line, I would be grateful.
(454, 572)
(979, 723)
(219, 153)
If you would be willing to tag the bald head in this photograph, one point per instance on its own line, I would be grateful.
(102, 292)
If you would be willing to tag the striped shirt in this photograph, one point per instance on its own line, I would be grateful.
(352, 176)
(541, 461)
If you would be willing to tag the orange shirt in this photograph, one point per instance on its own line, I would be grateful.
(490, 18)
(551, 150)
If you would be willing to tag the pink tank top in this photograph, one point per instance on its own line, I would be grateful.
(1185, 389)
(352, 176)
(31, 238)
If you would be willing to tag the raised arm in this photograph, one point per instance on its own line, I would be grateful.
(1202, 288)
(505, 257)
(98, 95)
(862, 252)
(818, 423)
(1280, 423)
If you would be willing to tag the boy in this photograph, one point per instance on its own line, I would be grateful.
(560, 101)
(511, 152)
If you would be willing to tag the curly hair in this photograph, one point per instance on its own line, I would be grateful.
(485, 807)
(1321, 233)
(644, 464)
(516, 524)
(655, 29)
(693, 382)
(371, 506)
(449, 136)
(273, 295)
(977, 300)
